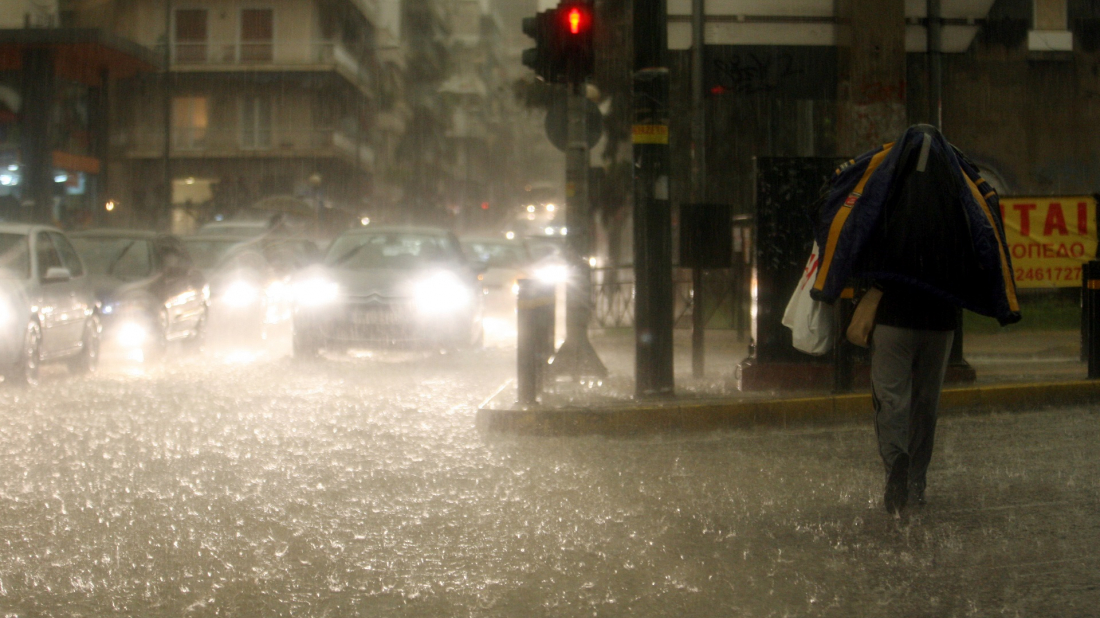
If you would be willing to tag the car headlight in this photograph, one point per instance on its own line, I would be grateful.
(277, 291)
(240, 294)
(441, 293)
(315, 292)
(552, 273)
(131, 334)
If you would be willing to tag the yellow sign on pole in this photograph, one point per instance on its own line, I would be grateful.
(1050, 239)
(650, 134)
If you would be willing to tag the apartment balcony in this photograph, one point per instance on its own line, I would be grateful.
(270, 56)
(192, 143)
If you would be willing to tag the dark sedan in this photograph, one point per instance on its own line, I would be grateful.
(389, 286)
(149, 291)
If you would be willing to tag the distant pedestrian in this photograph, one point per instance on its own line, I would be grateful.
(916, 221)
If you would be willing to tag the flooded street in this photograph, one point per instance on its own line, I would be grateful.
(237, 485)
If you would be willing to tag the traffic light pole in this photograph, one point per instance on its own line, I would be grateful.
(577, 358)
(652, 207)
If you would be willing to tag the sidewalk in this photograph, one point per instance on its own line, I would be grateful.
(1015, 370)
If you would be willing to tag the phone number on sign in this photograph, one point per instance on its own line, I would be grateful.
(1053, 273)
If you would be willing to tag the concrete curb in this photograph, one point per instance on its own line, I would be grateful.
(648, 418)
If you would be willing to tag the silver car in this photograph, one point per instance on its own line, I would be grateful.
(47, 307)
(389, 286)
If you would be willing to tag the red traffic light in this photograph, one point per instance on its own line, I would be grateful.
(577, 18)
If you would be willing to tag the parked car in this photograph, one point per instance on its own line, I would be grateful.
(389, 286)
(249, 280)
(47, 308)
(149, 291)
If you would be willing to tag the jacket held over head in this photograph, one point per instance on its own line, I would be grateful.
(916, 212)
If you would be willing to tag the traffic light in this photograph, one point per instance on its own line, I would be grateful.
(573, 28)
(563, 43)
(539, 57)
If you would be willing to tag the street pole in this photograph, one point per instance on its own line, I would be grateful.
(935, 63)
(577, 358)
(934, 28)
(698, 181)
(652, 216)
(165, 215)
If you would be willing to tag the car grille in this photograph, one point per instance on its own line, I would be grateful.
(373, 320)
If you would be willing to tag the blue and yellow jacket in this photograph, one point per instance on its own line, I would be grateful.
(917, 212)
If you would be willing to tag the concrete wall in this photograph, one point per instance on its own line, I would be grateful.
(1033, 119)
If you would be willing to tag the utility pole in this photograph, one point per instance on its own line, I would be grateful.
(652, 216)
(698, 180)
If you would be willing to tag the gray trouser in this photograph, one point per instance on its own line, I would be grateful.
(907, 369)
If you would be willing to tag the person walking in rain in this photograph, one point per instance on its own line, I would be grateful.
(916, 221)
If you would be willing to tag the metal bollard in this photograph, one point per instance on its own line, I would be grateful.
(534, 337)
(1091, 316)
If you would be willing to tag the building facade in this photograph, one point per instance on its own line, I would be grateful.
(265, 99)
(55, 85)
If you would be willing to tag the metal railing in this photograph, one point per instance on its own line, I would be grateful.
(726, 294)
(215, 53)
(261, 139)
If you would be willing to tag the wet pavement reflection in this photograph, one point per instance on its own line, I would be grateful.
(243, 483)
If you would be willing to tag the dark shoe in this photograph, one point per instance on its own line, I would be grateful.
(916, 496)
(897, 485)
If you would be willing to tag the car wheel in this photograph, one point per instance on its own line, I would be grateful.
(25, 370)
(88, 359)
(158, 346)
(304, 344)
(197, 340)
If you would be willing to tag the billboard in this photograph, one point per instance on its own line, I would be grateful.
(1050, 238)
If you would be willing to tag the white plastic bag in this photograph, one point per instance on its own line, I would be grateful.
(811, 321)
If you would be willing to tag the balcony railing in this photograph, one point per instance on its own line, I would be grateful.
(261, 142)
(253, 53)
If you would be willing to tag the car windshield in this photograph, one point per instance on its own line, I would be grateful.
(124, 258)
(210, 253)
(497, 254)
(390, 250)
(14, 257)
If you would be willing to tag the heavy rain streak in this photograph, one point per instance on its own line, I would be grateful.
(499, 308)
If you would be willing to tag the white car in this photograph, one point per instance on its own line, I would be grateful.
(47, 307)
(388, 287)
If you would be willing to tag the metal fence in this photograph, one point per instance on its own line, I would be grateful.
(725, 296)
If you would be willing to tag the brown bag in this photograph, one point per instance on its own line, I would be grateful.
(863, 318)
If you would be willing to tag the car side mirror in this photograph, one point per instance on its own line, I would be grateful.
(57, 274)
